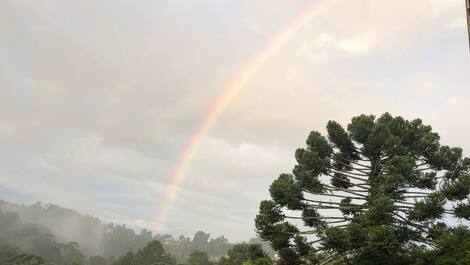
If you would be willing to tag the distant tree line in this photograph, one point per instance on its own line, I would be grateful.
(27, 231)
(154, 253)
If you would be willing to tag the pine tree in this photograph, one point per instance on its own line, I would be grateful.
(377, 192)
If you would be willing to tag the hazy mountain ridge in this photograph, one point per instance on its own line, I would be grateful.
(65, 224)
(95, 237)
(34, 239)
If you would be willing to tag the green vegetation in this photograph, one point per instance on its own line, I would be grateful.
(13, 256)
(31, 242)
(35, 240)
(242, 254)
(198, 258)
(97, 260)
(152, 254)
(377, 192)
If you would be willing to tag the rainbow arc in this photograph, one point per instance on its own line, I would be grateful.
(237, 82)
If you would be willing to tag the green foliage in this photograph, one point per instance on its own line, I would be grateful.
(198, 258)
(288, 256)
(89, 232)
(340, 138)
(183, 246)
(432, 207)
(152, 254)
(311, 217)
(200, 240)
(6, 252)
(13, 256)
(94, 237)
(380, 211)
(285, 192)
(265, 245)
(319, 145)
(361, 127)
(312, 161)
(335, 239)
(127, 259)
(457, 189)
(37, 240)
(72, 254)
(462, 210)
(97, 260)
(241, 254)
(348, 208)
(357, 235)
(376, 193)
(260, 261)
(340, 181)
(453, 248)
(118, 239)
(382, 242)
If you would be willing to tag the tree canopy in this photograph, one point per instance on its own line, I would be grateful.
(198, 258)
(36, 241)
(152, 254)
(94, 237)
(97, 260)
(242, 254)
(376, 192)
(13, 256)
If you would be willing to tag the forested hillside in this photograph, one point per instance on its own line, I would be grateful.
(44, 230)
(17, 236)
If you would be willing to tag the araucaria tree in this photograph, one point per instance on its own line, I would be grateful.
(382, 191)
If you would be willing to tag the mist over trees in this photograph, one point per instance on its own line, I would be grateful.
(13, 256)
(45, 231)
(382, 191)
(36, 240)
(94, 237)
(152, 253)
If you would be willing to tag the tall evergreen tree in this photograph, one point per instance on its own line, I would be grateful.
(375, 193)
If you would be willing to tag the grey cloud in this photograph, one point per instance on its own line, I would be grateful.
(98, 99)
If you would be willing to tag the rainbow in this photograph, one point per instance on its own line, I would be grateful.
(237, 82)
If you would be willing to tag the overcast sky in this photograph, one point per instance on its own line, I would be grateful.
(99, 98)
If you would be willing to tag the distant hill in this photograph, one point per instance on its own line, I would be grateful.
(65, 224)
(16, 235)
(95, 237)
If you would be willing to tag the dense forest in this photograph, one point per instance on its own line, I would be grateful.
(40, 233)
